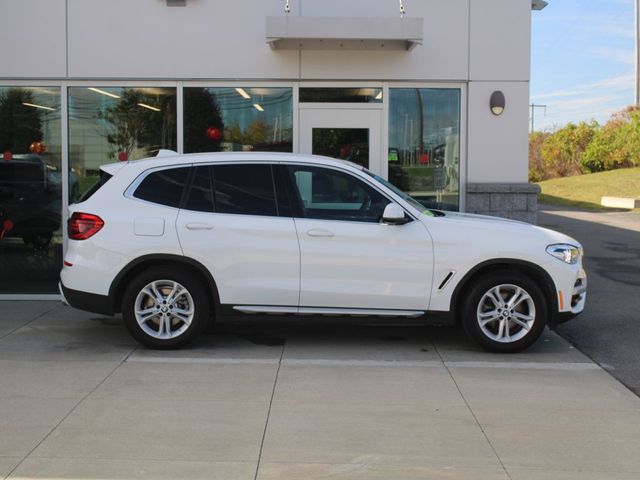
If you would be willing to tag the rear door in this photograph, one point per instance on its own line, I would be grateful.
(232, 223)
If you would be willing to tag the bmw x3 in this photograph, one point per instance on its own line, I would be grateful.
(176, 240)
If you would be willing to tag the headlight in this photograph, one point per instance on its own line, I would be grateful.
(566, 252)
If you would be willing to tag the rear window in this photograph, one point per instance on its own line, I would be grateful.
(164, 187)
(104, 177)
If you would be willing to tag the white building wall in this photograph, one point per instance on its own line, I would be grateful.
(443, 56)
(483, 44)
(32, 39)
(146, 39)
(497, 149)
(499, 53)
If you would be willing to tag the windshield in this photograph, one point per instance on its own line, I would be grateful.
(405, 196)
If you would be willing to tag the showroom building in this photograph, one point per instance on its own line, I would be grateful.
(431, 94)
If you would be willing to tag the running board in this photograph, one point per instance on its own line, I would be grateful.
(360, 312)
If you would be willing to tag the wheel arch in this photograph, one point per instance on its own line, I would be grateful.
(133, 268)
(535, 272)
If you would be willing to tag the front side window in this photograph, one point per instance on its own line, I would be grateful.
(328, 194)
(163, 187)
(244, 189)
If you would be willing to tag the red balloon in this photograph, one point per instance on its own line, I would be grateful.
(214, 133)
(123, 157)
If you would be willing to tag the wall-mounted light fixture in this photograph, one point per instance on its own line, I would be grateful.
(497, 103)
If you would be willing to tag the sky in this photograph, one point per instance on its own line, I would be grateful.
(582, 60)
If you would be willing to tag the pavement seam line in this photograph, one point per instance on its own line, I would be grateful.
(266, 423)
(28, 323)
(473, 414)
(73, 409)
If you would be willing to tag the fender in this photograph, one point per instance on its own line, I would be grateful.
(117, 287)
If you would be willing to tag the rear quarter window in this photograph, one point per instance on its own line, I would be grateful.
(104, 178)
(163, 187)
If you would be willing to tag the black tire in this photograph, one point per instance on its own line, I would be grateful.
(476, 304)
(185, 332)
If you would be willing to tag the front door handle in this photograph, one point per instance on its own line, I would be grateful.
(318, 232)
(199, 226)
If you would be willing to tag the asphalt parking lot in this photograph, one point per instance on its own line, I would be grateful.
(609, 329)
(275, 400)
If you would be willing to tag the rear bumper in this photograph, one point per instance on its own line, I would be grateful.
(89, 302)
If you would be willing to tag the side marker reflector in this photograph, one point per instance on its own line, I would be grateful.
(561, 298)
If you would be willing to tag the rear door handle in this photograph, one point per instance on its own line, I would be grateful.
(199, 226)
(318, 232)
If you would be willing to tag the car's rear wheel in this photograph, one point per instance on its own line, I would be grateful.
(505, 311)
(165, 309)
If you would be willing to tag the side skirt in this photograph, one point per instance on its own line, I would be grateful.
(244, 311)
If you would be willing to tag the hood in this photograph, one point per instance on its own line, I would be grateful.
(499, 230)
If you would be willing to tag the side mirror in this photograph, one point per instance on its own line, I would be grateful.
(394, 215)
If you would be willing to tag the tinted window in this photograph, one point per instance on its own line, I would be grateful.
(332, 195)
(244, 189)
(200, 197)
(164, 187)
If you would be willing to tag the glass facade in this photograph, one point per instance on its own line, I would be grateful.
(340, 95)
(344, 143)
(113, 123)
(107, 124)
(424, 144)
(238, 119)
(30, 189)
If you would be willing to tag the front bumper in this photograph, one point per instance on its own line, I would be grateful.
(574, 305)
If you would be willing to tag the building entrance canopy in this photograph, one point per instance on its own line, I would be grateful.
(343, 33)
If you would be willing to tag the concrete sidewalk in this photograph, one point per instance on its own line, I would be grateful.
(78, 399)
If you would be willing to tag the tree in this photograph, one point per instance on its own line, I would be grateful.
(562, 151)
(536, 162)
(617, 144)
(20, 125)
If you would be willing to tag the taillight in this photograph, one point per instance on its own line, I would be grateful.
(84, 225)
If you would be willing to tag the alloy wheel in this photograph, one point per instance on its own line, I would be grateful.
(506, 313)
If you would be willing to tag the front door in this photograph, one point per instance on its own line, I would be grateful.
(348, 133)
(348, 257)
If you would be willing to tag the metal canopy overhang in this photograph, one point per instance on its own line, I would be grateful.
(343, 33)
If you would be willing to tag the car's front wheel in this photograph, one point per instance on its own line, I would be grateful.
(164, 309)
(505, 311)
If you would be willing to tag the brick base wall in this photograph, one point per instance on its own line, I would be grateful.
(518, 201)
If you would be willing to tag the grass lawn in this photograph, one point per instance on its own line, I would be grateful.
(585, 190)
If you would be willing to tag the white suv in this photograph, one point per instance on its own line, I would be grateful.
(174, 240)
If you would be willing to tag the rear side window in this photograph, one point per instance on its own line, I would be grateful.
(244, 189)
(104, 177)
(164, 187)
(200, 197)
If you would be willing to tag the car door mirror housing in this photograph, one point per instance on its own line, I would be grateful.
(394, 215)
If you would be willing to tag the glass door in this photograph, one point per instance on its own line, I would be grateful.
(347, 133)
